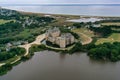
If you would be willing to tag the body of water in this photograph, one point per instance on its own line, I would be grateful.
(92, 10)
(49, 65)
(85, 20)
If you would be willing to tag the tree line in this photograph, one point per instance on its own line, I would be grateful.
(105, 51)
(5, 55)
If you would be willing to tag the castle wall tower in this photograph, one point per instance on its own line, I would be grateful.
(57, 41)
(46, 36)
(62, 42)
(55, 34)
(72, 39)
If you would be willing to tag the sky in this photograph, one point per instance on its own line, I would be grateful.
(59, 1)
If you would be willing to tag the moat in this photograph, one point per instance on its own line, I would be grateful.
(49, 65)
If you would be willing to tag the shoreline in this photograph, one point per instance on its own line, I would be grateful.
(60, 14)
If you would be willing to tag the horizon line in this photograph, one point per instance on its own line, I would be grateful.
(61, 4)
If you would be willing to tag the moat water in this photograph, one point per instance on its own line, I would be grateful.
(49, 65)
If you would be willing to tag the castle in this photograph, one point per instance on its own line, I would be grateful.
(56, 37)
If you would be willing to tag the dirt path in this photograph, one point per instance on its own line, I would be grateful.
(37, 41)
(85, 35)
(27, 46)
(1, 64)
(16, 60)
(87, 39)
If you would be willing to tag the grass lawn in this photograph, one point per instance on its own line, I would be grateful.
(112, 38)
(111, 23)
(11, 60)
(85, 34)
(24, 33)
(4, 21)
(116, 29)
(85, 31)
(28, 32)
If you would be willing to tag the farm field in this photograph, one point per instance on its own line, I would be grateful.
(85, 35)
(4, 21)
(111, 23)
(112, 38)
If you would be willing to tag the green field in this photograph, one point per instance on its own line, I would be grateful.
(111, 23)
(11, 60)
(4, 21)
(84, 31)
(29, 33)
(115, 37)
(85, 35)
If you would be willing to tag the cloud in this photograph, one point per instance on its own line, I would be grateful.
(57, 1)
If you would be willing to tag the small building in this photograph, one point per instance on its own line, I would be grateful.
(8, 46)
(47, 15)
(96, 25)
